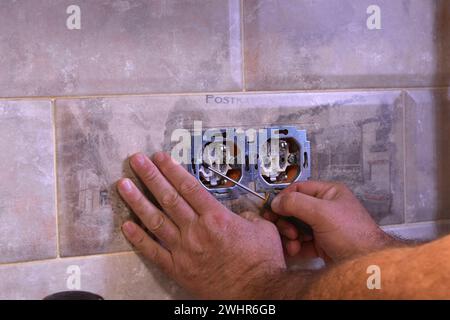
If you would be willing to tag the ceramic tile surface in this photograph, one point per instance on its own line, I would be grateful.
(337, 44)
(121, 276)
(356, 138)
(428, 155)
(121, 47)
(27, 201)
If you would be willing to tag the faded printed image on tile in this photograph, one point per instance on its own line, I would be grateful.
(95, 138)
(122, 46)
(27, 188)
(428, 155)
(302, 44)
(356, 138)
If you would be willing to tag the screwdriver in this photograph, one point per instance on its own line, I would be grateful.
(303, 227)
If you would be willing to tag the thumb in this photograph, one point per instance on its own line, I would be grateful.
(299, 205)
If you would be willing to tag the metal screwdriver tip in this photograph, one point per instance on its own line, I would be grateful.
(235, 182)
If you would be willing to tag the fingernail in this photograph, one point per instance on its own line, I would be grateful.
(158, 157)
(125, 185)
(129, 228)
(275, 205)
(138, 159)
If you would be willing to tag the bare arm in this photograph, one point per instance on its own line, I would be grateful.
(421, 272)
(345, 235)
(217, 254)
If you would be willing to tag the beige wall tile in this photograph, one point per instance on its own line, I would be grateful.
(302, 44)
(356, 138)
(117, 276)
(27, 201)
(428, 155)
(122, 47)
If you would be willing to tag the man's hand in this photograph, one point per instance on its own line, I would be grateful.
(206, 248)
(342, 227)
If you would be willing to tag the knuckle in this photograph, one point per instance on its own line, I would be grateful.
(170, 200)
(150, 174)
(153, 254)
(139, 240)
(217, 221)
(139, 203)
(156, 222)
(189, 187)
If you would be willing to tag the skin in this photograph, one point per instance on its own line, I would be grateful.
(217, 254)
(342, 226)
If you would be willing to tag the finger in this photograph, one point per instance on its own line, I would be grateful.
(287, 229)
(305, 237)
(318, 189)
(166, 195)
(251, 216)
(155, 220)
(270, 216)
(294, 187)
(299, 205)
(148, 247)
(292, 247)
(308, 250)
(190, 189)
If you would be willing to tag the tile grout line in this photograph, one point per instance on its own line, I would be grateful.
(241, 13)
(55, 172)
(62, 259)
(131, 252)
(403, 98)
(418, 223)
(247, 92)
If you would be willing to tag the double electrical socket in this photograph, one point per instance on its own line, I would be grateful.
(269, 158)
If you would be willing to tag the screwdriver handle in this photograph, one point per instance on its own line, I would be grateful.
(299, 224)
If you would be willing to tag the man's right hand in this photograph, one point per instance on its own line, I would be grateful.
(342, 227)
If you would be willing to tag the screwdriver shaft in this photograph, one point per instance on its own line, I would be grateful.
(304, 228)
(235, 182)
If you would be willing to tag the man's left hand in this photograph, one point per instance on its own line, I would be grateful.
(205, 247)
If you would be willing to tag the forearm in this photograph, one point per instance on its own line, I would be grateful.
(382, 240)
(405, 273)
(349, 279)
(392, 240)
(287, 285)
